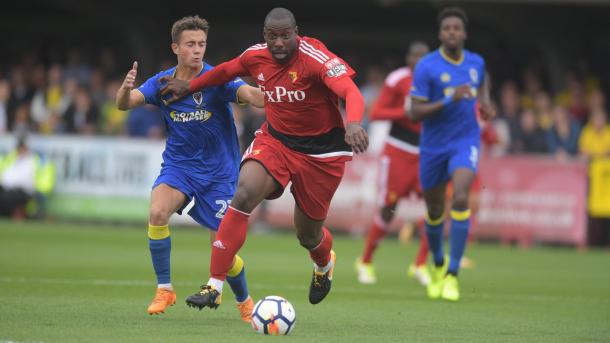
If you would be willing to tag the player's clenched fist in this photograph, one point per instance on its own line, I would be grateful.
(462, 92)
(130, 78)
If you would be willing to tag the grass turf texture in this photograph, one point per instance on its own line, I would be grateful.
(81, 283)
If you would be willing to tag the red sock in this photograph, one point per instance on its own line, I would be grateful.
(321, 253)
(229, 239)
(422, 253)
(376, 234)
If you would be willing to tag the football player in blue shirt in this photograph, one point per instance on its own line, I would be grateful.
(201, 157)
(449, 86)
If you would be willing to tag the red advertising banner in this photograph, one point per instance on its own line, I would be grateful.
(522, 199)
(531, 198)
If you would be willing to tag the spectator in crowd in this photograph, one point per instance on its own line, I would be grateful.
(532, 85)
(562, 136)
(573, 98)
(82, 116)
(594, 140)
(22, 121)
(543, 109)
(25, 178)
(594, 145)
(20, 94)
(529, 137)
(5, 94)
(596, 101)
(506, 123)
(113, 120)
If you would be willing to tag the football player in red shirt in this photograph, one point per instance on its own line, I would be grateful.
(398, 172)
(303, 141)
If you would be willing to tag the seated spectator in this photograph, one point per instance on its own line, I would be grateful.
(112, 119)
(562, 137)
(543, 109)
(529, 137)
(82, 116)
(26, 179)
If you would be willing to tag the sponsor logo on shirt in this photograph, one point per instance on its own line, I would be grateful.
(261, 77)
(281, 94)
(335, 68)
(183, 117)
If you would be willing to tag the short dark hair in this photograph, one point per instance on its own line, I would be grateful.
(189, 23)
(452, 12)
(280, 13)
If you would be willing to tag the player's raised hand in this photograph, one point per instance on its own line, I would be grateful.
(178, 88)
(130, 79)
(487, 110)
(462, 92)
(356, 137)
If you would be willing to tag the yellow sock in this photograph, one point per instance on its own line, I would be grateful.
(158, 232)
(238, 265)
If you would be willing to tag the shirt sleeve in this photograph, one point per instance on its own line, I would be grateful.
(150, 90)
(330, 68)
(420, 89)
(230, 88)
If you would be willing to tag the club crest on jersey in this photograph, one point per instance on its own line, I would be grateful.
(335, 68)
(445, 77)
(293, 76)
(474, 75)
(198, 98)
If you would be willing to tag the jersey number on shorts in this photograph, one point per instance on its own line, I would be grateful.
(474, 155)
(223, 207)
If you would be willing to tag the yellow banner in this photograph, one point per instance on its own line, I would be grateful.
(599, 187)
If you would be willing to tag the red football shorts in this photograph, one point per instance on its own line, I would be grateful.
(398, 175)
(314, 179)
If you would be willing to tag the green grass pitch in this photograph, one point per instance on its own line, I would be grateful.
(81, 283)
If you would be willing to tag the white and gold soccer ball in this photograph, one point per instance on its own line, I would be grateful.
(273, 315)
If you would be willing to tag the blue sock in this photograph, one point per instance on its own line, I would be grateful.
(236, 277)
(434, 231)
(460, 224)
(160, 245)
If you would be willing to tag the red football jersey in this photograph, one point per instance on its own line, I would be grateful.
(298, 101)
(390, 105)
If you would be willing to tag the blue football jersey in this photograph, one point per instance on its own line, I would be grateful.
(436, 77)
(202, 138)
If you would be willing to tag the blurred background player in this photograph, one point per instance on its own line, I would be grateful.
(446, 86)
(201, 156)
(398, 172)
(303, 141)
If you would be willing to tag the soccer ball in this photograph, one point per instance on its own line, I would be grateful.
(273, 315)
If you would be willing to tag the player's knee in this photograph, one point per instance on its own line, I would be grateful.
(158, 216)
(435, 210)
(242, 200)
(460, 200)
(308, 240)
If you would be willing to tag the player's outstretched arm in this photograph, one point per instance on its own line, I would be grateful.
(355, 135)
(486, 109)
(421, 109)
(251, 95)
(126, 96)
(219, 75)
